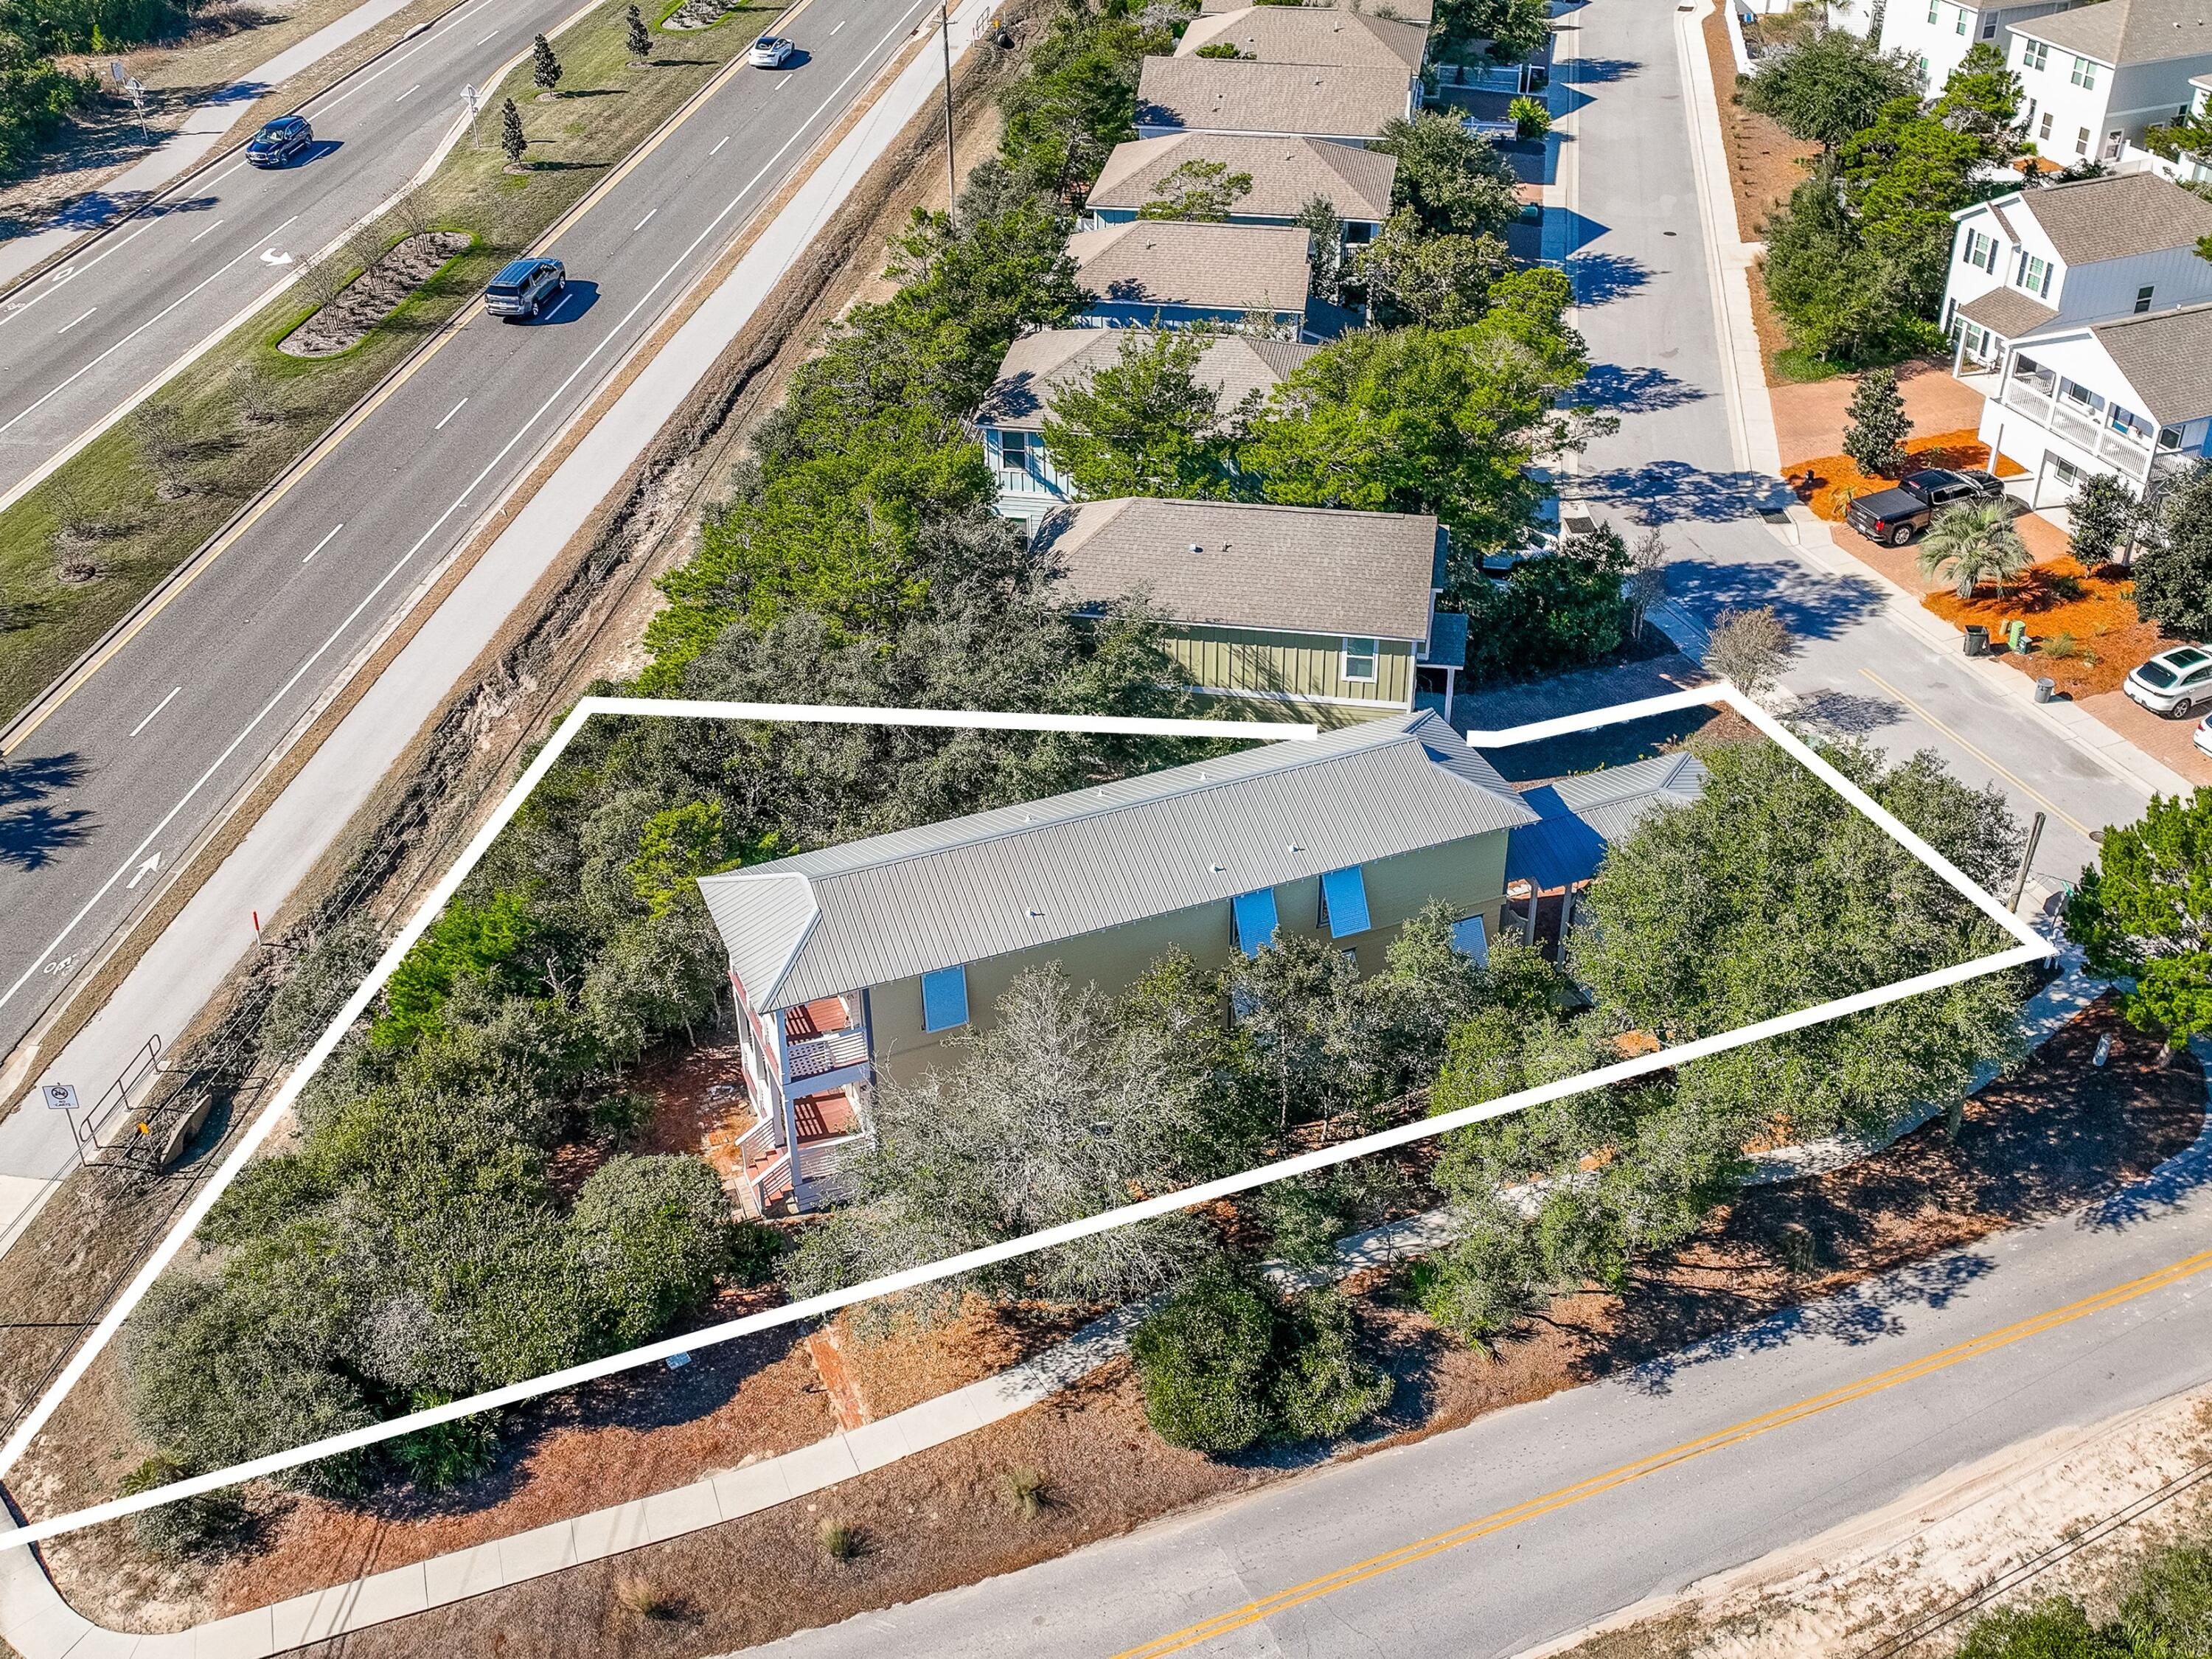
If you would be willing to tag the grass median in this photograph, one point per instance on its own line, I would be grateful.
(83, 549)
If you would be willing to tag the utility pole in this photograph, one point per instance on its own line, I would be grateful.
(2027, 858)
(951, 176)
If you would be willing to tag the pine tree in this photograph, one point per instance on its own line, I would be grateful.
(1875, 438)
(639, 42)
(544, 67)
(510, 135)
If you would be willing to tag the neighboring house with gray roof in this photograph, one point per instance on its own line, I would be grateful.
(1317, 613)
(1010, 419)
(2094, 76)
(1282, 101)
(1286, 173)
(1327, 35)
(2037, 279)
(1169, 274)
(1412, 11)
(857, 965)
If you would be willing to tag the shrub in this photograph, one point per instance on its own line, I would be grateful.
(2170, 1610)
(190, 1526)
(1024, 1491)
(2054, 1629)
(619, 1119)
(1531, 120)
(325, 973)
(1322, 1388)
(1202, 1361)
(642, 1596)
(447, 1455)
(651, 1236)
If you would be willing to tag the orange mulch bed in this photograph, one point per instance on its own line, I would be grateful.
(1828, 483)
(2099, 636)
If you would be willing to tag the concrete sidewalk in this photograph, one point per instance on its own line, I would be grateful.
(186, 147)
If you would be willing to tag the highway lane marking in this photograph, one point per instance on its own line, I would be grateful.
(73, 321)
(841, 24)
(493, 35)
(420, 46)
(450, 413)
(209, 231)
(60, 277)
(325, 541)
(717, 150)
(404, 96)
(158, 708)
(640, 224)
(2013, 778)
(1374, 1566)
(559, 391)
(64, 385)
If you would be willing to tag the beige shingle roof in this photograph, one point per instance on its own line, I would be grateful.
(2123, 32)
(2117, 216)
(1236, 267)
(2166, 357)
(1208, 95)
(1038, 365)
(1286, 173)
(1233, 564)
(1312, 34)
(1411, 11)
(2007, 312)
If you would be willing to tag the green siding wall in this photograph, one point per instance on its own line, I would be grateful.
(1291, 665)
(1469, 875)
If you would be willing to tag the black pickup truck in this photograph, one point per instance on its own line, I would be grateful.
(1896, 516)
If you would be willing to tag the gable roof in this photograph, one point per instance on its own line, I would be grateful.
(1212, 95)
(1037, 365)
(2166, 357)
(1286, 173)
(1239, 564)
(1167, 263)
(1412, 11)
(890, 907)
(2008, 313)
(2123, 32)
(1312, 34)
(1581, 816)
(2117, 216)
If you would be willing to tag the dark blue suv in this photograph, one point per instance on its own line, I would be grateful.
(279, 141)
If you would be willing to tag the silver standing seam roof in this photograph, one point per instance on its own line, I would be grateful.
(891, 907)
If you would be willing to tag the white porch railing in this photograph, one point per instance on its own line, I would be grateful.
(2084, 431)
(773, 1178)
(758, 1139)
(815, 1056)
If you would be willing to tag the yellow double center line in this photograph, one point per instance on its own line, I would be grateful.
(1499, 1520)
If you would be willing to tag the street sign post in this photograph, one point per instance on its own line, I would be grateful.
(474, 100)
(136, 89)
(61, 1096)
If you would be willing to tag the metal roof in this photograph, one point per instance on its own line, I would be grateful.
(1583, 814)
(1286, 173)
(890, 907)
(1245, 564)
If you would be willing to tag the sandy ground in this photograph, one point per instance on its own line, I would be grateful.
(1907, 1569)
(1810, 416)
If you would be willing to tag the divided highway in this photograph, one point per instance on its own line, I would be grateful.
(100, 331)
(145, 753)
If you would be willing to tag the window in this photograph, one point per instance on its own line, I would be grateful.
(2169, 437)
(944, 998)
(1989, 31)
(2044, 132)
(1014, 450)
(1360, 659)
(2143, 299)
(1469, 939)
(2081, 143)
(2034, 55)
(1343, 902)
(2084, 73)
(1982, 251)
(1932, 5)
(2115, 141)
(1961, 27)
(2034, 273)
(1255, 914)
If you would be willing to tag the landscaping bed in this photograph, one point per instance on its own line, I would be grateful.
(1830, 483)
(79, 552)
(374, 295)
(2058, 1134)
(2083, 632)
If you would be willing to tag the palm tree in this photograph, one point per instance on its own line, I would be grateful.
(1973, 545)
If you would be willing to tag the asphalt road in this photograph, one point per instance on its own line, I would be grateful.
(147, 752)
(98, 331)
(1641, 272)
(1534, 1522)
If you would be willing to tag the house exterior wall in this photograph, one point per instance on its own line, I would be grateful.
(1940, 32)
(2090, 292)
(1150, 313)
(2119, 101)
(1029, 487)
(2073, 414)
(1469, 875)
(1278, 667)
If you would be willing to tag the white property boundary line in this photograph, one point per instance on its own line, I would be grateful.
(2030, 947)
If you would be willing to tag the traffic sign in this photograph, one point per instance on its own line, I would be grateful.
(61, 1096)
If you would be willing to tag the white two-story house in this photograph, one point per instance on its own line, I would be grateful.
(1940, 32)
(2061, 303)
(2093, 77)
(1010, 419)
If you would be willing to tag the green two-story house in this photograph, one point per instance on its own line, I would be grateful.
(1306, 612)
(858, 964)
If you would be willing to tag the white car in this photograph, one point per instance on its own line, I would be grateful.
(770, 51)
(2176, 681)
(2202, 737)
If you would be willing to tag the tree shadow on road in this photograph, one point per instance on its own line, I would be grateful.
(32, 830)
(1663, 492)
(1813, 606)
(1635, 391)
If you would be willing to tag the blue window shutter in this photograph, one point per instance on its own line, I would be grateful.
(1255, 919)
(1344, 892)
(1470, 939)
(944, 998)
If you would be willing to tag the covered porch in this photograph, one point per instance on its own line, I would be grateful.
(813, 1117)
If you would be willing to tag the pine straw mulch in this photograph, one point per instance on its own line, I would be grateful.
(2085, 644)
(1829, 483)
(2055, 1137)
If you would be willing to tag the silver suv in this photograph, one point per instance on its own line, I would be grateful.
(522, 286)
